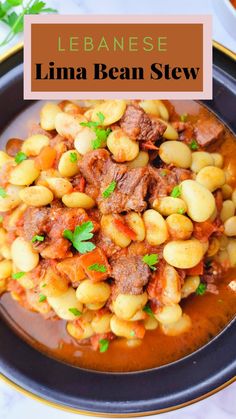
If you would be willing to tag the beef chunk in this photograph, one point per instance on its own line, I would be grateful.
(51, 223)
(138, 126)
(131, 274)
(163, 180)
(131, 189)
(131, 184)
(93, 166)
(35, 221)
(207, 131)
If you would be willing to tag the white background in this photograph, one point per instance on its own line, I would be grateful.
(222, 405)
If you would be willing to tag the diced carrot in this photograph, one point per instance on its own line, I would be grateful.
(125, 229)
(202, 231)
(149, 145)
(72, 268)
(97, 258)
(196, 270)
(46, 158)
(138, 329)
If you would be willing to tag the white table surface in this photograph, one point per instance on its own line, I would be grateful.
(222, 405)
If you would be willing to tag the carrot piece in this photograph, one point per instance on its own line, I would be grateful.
(138, 329)
(202, 231)
(196, 270)
(46, 158)
(96, 260)
(125, 229)
(148, 145)
(72, 268)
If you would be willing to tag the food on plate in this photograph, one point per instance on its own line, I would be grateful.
(115, 214)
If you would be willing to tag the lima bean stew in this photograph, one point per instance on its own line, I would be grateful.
(118, 232)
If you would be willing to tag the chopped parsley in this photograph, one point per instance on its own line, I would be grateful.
(37, 238)
(148, 310)
(108, 191)
(97, 268)
(163, 173)
(184, 117)
(181, 211)
(132, 333)
(20, 156)
(1, 218)
(176, 191)
(101, 133)
(103, 345)
(151, 260)
(194, 145)
(44, 285)
(3, 193)
(74, 311)
(73, 157)
(42, 298)
(18, 275)
(79, 235)
(201, 289)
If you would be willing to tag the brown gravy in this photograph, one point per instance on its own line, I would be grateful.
(210, 313)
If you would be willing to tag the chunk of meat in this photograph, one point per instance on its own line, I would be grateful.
(130, 191)
(93, 166)
(35, 222)
(51, 222)
(208, 130)
(139, 126)
(163, 180)
(131, 274)
(131, 184)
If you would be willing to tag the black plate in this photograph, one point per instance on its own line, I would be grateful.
(167, 387)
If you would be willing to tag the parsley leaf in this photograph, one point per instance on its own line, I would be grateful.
(18, 275)
(108, 191)
(1, 218)
(132, 333)
(42, 298)
(97, 268)
(181, 211)
(103, 345)
(101, 133)
(37, 238)
(78, 237)
(14, 20)
(148, 310)
(3, 193)
(151, 260)
(201, 289)
(101, 137)
(194, 145)
(73, 157)
(101, 117)
(176, 191)
(184, 117)
(74, 311)
(20, 156)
